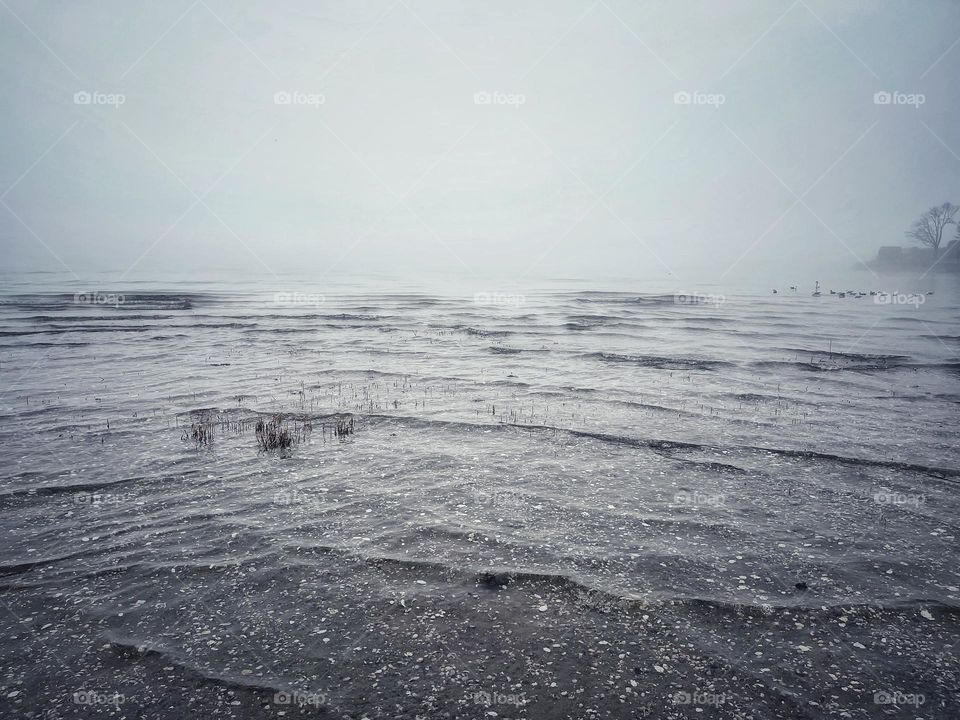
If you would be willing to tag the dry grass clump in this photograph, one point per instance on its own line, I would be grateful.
(273, 434)
(276, 433)
(201, 430)
(344, 427)
(201, 434)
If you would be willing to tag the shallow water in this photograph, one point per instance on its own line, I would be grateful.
(574, 504)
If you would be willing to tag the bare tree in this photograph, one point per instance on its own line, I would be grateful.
(928, 230)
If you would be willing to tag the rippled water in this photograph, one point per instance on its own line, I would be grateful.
(571, 504)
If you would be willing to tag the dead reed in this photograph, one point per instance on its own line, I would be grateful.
(278, 433)
(201, 430)
(344, 427)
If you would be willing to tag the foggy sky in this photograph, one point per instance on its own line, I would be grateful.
(599, 172)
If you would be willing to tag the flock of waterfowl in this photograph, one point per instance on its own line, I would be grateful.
(881, 294)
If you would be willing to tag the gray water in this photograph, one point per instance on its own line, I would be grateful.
(556, 502)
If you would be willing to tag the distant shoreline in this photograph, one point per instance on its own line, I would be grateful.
(893, 258)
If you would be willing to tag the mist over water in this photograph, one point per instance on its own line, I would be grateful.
(562, 139)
